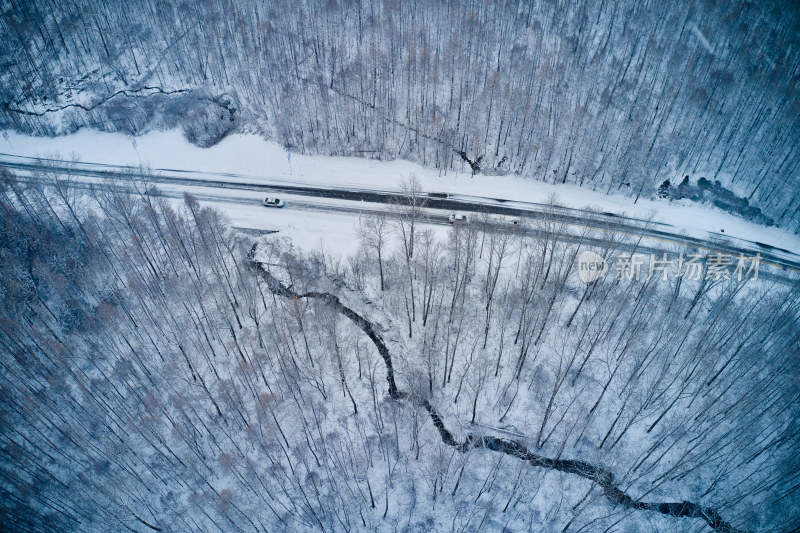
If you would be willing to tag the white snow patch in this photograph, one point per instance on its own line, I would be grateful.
(702, 39)
(250, 158)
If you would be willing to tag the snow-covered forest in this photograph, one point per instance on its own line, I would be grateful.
(163, 372)
(356, 266)
(616, 95)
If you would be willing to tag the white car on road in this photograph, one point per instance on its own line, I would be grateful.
(458, 218)
(273, 202)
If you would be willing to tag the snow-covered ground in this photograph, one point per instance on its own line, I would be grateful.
(250, 158)
(333, 230)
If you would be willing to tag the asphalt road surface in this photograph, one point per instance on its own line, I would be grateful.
(644, 236)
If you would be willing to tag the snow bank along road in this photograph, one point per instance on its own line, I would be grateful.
(207, 187)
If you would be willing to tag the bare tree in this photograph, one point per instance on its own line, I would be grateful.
(374, 235)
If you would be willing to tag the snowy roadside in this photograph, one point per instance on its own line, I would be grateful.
(252, 159)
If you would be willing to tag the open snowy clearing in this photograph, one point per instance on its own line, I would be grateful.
(250, 158)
